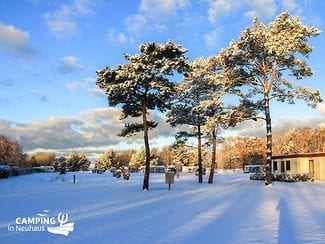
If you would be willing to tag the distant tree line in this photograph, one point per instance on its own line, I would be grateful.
(233, 152)
(41, 158)
(75, 161)
(11, 154)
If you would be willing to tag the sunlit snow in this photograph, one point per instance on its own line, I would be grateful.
(108, 210)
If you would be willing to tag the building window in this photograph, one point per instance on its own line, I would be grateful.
(275, 165)
(288, 165)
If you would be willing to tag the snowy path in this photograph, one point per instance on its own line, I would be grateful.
(106, 210)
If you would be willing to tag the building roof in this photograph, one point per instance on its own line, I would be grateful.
(300, 155)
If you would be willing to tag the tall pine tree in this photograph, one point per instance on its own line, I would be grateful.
(264, 59)
(142, 85)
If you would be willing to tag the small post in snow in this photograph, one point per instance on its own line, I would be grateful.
(169, 179)
(74, 179)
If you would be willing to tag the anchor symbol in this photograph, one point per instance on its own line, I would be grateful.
(63, 218)
(64, 228)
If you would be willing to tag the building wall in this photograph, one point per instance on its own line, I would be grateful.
(300, 165)
(320, 166)
(294, 166)
(318, 169)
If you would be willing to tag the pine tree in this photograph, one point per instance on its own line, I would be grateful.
(142, 85)
(78, 161)
(199, 104)
(263, 59)
(187, 111)
(107, 160)
(204, 73)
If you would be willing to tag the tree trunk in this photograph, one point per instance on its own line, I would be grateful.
(147, 149)
(199, 153)
(268, 169)
(213, 160)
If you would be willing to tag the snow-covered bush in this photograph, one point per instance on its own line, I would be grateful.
(283, 177)
(257, 176)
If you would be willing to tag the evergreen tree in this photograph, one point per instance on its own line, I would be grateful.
(262, 61)
(78, 162)
(203, 73)
(142, 85)
(199, 104)
(187, 111)
(106, 160)
(138, 159)
(181, 156)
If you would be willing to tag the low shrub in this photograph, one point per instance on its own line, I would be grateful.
(257, 176)
(283, 177)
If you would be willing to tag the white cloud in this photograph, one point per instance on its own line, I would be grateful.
(91, 129)
(191, 19)
(69, 64)
(98, 128)
(153, 15)
(88, 129)
(263, 9)
(62, 22)
(253, 128)
(115, 37)
(136, 23)
(87, 85)
(72, 85)
(15, 42)
(289, 4)
(211, 39)
(219, 8)
(161, 9)
(13, 36)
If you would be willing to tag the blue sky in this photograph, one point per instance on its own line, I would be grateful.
(50, 49)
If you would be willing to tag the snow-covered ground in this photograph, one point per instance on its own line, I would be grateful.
(109, 210)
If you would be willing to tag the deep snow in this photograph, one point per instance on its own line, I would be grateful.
(109, 210)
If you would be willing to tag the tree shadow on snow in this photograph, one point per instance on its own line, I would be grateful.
(286, 229)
